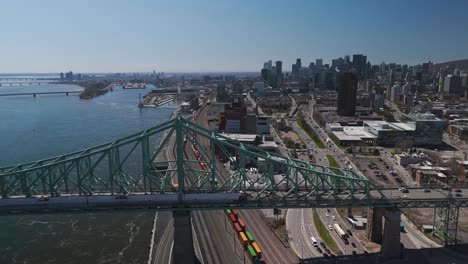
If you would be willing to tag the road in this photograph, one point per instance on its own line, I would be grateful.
(413, 238)
(326, 214)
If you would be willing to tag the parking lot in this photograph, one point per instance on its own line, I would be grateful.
(378, 170)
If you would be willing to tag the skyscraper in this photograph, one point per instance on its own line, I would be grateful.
(453, 84)
(360, 64)
(319, 63)
(296, 67)
(267, 65)
(279, 73)
(347, 89)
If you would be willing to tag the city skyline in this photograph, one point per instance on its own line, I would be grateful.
(208, 36)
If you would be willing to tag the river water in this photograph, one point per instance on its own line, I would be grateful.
(50, 125)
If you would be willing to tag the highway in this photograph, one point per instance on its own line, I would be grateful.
(326, 214)
(413, 238)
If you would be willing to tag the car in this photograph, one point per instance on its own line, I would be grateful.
(404, 196)
(328, 251)
(427, 190)
(323, 244)
(405, 191)
(352, 244)
(458, 195)
(330, 227)
(349, 232)
(457, 191)
(319, 250)
(354, 254)
(333, 217)
(327, 215)
(328, 210)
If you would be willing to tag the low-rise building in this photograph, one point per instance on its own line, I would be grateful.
(428, 177)
(405, 159)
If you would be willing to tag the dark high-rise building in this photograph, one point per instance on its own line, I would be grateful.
(221, 93)
(347, 89)
(279, 73)
(265, 73)
(360, 64)
(61, 76)
(296, 67)
(272, 78)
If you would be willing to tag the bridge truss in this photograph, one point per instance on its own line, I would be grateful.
(134, 165)
(191, 167)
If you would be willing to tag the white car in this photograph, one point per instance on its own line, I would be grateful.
(330, 227)
(333, 217)
(327, 215)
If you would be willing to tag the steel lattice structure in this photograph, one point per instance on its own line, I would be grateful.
(195, 168)
(101, 169)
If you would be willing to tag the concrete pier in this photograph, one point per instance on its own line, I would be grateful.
(391, 234)
(374, 224)
(183, 251)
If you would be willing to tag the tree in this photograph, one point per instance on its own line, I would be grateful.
(376, 152)
(457, 168)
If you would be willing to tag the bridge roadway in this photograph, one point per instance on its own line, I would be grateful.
(41, 93)
(416, 198)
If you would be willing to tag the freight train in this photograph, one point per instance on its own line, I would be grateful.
(245, 237)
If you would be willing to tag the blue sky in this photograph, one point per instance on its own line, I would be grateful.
(218, 35)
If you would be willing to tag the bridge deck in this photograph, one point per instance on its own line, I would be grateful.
(417, 198)
(38, 93)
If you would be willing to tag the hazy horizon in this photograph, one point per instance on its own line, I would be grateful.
(224, 36)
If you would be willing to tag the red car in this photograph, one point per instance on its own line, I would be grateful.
(458, 190)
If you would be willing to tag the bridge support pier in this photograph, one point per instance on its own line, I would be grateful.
(374, 224)
(446, 223)
(183, 251)
(391, 234)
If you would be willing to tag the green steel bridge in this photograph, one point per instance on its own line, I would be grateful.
(193, 168)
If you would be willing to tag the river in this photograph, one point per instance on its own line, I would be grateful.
(50, 125)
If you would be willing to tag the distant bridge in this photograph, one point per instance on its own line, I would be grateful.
(34, 94)
(25, 83)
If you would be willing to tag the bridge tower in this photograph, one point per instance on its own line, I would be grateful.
(446, 223)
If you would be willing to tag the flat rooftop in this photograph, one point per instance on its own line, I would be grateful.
(351, 133)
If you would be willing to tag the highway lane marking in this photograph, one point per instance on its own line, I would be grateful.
(197, 245)
(170, 255)
(150, 259)
(158, 251)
